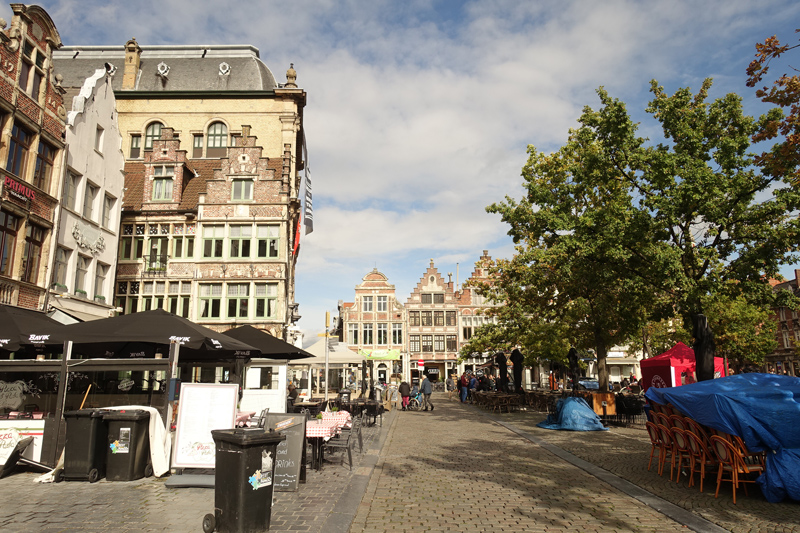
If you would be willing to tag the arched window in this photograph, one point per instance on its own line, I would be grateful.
(152, 132)
(217, 140)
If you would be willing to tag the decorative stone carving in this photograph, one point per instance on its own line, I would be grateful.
(291, 77)
(89, 238)
(224, 69)
(163, 69)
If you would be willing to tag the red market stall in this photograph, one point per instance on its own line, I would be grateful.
(673, 368)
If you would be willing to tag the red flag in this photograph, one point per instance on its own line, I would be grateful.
(296, 248)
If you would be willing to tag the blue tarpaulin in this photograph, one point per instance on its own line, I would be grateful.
(762, 409)
(573, 414)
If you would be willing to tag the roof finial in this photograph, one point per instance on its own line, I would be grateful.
(291, 77)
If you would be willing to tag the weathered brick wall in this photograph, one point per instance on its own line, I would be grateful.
(29, 297)
(28, 107)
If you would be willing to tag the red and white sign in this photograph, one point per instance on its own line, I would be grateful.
(421, 363)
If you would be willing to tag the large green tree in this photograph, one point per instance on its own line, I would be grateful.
(618, 230)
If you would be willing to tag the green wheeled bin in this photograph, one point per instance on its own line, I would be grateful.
(85, 446)
(128, 445)
(243, 482)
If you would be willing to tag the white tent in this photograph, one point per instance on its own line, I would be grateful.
(338, 354)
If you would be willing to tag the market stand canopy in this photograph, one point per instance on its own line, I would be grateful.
(337, 355)
(674, 367)
(28, 330)
(146, 333)
(762, 409)
(269, 346)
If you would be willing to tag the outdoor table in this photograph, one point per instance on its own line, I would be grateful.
(342, 418)
(317, 431)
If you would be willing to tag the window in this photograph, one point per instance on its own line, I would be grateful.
(32, 252)
(782, 313)
(152, 133)
(131, 246)
(438, 318)
(238, 298)
(438, 343)
(413, 318)
(31, 72)
(197, 146)
(452, 343)
(88, 200)
(427, 343)
(108, 207)
(242, 189)
(240, 240)
(786, 343)
(366, 303)
(183, 247)
(397, 333)
(8, 240)
(180, 297)
(100, 280)
(60, 274)
(210, 300)
(98, 139)
(71, 190)
(427, 319)
(44, 166)
(80, 274)
(383, 334)
(266, 300)
(136, 146)
(157, 258)
(466, 327)
(212, 240)
(426, 298)
(352, 334)
(383, 303)
(267, 241)
(438, 298)
(450, 317)
(367, 334)
(18, 147)
(162, 182)
(413, 343)
(127, 296)
(217, 140)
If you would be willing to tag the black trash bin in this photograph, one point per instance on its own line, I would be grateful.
(85, 446)
(244, 474)
(128, 445)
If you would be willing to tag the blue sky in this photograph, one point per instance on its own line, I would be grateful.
(419, 112)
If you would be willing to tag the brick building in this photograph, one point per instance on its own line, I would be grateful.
(213, 149)
(32, 116)
(785, 358)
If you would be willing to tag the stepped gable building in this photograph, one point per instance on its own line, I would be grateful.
(32, 116)
(432, 311)
(785, 358)
(472, 307)
(213, 148)
(374, 322)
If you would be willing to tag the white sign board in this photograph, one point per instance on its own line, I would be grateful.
(202, 407)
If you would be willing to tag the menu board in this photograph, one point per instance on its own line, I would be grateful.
(202, 407)
(290, 451)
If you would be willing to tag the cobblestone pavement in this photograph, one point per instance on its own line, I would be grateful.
(326, 503)
(454, 469)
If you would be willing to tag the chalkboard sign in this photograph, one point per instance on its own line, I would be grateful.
(290, 451)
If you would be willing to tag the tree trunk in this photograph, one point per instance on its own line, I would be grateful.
(602, 352)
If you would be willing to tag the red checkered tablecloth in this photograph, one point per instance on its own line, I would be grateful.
(321, 428)
(342, 418)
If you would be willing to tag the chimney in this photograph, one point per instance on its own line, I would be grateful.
(133, 55)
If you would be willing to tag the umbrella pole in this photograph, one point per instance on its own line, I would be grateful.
(174, 352)
(62, 397)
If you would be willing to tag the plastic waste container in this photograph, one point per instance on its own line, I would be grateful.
(85, 446)
(243, 483)
(128, 445)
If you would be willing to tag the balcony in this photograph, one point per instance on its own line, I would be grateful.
(155, 264)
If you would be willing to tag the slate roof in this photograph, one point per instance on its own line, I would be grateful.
(191, 68)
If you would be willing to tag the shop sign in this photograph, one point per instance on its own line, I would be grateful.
(19, 190)
(12, 394)
(8, 441)
(432, 370)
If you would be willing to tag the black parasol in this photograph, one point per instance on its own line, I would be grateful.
(22, 329)
(270, 347)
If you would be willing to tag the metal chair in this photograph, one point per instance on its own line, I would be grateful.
(701, 457)
(343, 442)
(732, 461)
(668, 449)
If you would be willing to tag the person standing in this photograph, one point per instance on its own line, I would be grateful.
(451, 386)
(464, 386)
(426, 389)
(405, 391)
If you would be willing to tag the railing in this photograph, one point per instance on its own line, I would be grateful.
(155, 264)
(7, 291)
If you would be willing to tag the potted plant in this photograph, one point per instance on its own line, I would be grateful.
(58, 287)
(80, 292)
(319, 416)
(99, 298)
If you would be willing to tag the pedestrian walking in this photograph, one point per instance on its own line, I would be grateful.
(451, 387)
(405, 391)
(464, 386)
(426, 389)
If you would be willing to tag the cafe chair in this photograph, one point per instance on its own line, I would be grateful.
(681, 449)
(678, 421)
(343, 441)
(701, 457)
(668, 447)
(749, 457)
(655, 441)
(731, 461)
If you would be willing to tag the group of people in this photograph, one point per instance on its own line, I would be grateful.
(470, 381)
(425, 389)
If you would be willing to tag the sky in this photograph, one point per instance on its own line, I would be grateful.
(419, 113)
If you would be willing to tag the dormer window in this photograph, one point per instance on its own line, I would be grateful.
(217, 145)
(242, 189)
(163, 176)
(152, 133)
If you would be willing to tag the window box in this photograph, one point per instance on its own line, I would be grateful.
(99, 299)
(58, 287)
(81, 293)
